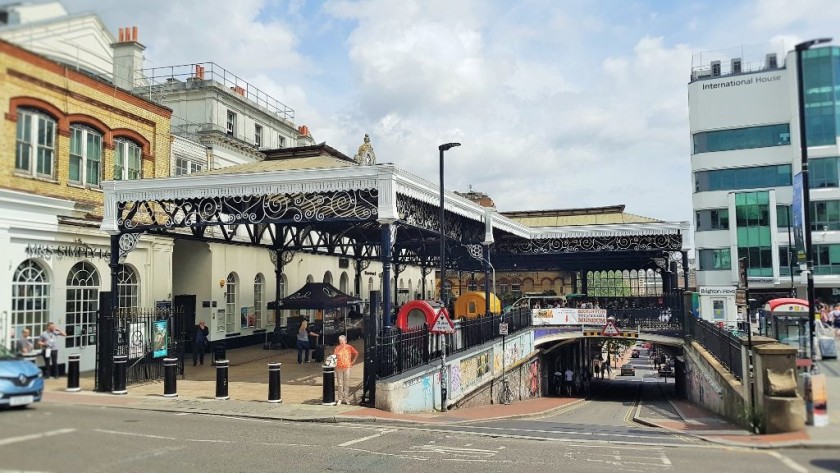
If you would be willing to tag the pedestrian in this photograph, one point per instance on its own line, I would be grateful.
(578, 383)
(303, 341)
(200, 342)
(24, 345)
(569, 378)
(598, 371)
(587, 381)
(345, 358)
(48, 341)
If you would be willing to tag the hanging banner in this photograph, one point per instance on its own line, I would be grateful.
(565, 316)
(798, 218)
(160, 339)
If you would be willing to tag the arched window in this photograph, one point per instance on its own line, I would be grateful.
(127, 160)
(283, 283)
(30, 299)
(82, 305)
(516, 288)
(85, 156)
(344, 282)
(128, 288)
(230, 302)
(258, 300)
(309, 278)
(35, 145)
(472, 285)
(328, 278)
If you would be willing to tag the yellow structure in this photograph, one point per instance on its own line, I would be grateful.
(472, 304)
(65, 131)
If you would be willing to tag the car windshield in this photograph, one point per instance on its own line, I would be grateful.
(6, 354)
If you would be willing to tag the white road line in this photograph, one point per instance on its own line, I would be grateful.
(364, 439)
(788, 462)
(133, 434)
(26, 438)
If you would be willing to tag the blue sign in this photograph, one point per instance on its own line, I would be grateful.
(798, 218)
(160, 339)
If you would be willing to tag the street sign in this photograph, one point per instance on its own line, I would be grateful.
(442, 323)
(741, 297)
(610, 330)
(503, 328)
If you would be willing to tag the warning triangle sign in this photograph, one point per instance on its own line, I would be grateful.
(442, 323)
(610, 330)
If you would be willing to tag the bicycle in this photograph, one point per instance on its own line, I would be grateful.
(505, 395)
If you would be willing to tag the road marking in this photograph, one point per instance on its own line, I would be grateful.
(133, 434)
(442, 450)
(365, 439)
(26, 438)
(788, 462)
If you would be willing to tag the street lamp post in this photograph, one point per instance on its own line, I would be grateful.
(806, 190)
(442, 148)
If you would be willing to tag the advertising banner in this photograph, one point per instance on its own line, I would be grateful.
(160, 340)
(798, 218)
(565, 316)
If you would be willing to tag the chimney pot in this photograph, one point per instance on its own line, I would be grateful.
(134, 33)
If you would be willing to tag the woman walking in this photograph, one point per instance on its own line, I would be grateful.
(303, 341)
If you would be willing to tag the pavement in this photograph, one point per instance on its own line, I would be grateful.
(302, 391)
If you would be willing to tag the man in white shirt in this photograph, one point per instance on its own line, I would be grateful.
(48, 341)
(569, 378)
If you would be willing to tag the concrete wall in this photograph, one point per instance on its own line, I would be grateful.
(468, 376)
(713, 387)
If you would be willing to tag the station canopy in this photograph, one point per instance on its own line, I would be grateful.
(315, 199)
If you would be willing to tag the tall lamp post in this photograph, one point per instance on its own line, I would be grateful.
(806, 190)
(442, 148)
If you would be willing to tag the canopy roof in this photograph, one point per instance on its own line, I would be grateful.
(317, 295)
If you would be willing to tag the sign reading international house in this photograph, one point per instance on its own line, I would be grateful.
(565, 316)
(755, 80)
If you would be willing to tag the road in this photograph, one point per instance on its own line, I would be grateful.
(596, 435)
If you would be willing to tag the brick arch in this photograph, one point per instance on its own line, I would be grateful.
(15, 103)
(135, 137)
(94, 123)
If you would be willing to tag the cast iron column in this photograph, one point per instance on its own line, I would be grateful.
(385, 244)
(278, 278)
(486, 279)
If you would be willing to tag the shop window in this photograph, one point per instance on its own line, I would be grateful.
(30, 299)
(82, 305)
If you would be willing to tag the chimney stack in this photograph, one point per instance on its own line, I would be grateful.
(128, 59)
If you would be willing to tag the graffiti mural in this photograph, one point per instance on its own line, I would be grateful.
(473, 369)
(534, 378)
(454, 380)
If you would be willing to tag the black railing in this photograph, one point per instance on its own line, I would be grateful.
(401, 351)
(721, 343)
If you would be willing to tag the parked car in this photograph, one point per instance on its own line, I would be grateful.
(21, 382)
(628, 370)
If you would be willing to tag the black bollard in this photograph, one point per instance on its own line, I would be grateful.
(73, 372)
(170, 384)
(222, 380)
(329, 386)
(120, 365)
(274, 382)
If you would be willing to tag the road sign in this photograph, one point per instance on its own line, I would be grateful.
(610, 330)
(442, 323)
(503, 328)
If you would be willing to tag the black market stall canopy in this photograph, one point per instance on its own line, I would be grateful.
(317, 295)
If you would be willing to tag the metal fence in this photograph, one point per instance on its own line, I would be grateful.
(146, 336)
(401, 351)
(721, 343)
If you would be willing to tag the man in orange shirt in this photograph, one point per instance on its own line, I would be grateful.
(345, 359)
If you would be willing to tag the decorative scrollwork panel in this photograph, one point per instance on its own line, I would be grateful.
(421, 215)
(590, 244)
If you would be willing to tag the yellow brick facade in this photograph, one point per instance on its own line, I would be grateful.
(32, 82)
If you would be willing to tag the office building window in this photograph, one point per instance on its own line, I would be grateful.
(824, 172)
(35, 145)
(787, 260)
(127, 160)
(231, 123)
(742, 178)
(821, 80)
(715, 260)
(742, 138)
(281, 141)
(783, 216)
(85, 156)
(258, 136)
(715, 219)
(825, 215)
(752, 219)
(826, 259)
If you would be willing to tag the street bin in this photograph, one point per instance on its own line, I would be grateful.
(219, 351)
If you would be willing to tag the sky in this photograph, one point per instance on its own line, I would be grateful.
(557, 104)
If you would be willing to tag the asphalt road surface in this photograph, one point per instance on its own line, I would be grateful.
(61, 438)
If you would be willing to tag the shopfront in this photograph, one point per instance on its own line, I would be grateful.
(717, 304)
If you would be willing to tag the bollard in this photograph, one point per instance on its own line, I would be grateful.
(274, 382)
(120, 365)
(170, 384)
(329, 386)
(222, 380)
(73, 372)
